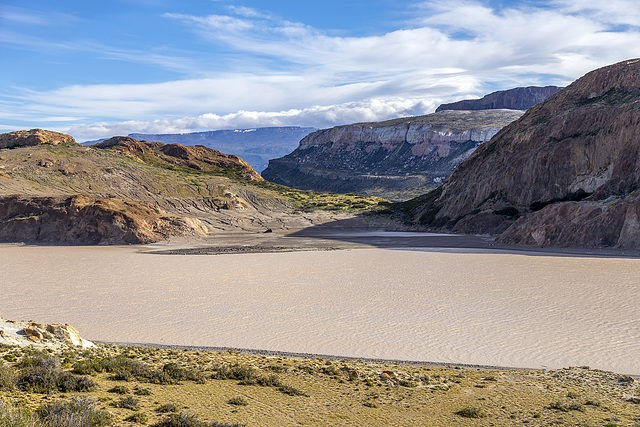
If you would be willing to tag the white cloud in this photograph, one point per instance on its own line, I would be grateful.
(317, 116)
(448, 51)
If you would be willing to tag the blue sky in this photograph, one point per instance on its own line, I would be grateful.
(97, 69)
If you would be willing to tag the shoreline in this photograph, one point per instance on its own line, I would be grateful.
(333, 240)
(369, 360)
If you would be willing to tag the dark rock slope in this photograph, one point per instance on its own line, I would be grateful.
(520, 98)
(396, 159)
(566, 173)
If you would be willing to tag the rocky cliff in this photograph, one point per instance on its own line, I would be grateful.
(520, 98)
(89, 221)
(393, 159)
(566, 173)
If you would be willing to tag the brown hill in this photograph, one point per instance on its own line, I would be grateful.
(33, 137)
(196, 157)
(568, 169)
(129, 191)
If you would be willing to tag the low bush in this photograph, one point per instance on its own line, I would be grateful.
(119, 389)
(8, 377)
(17, 417)
(77, 412)
(142, 391)
(291, 391)
(128, 402)
(238, 401)
(167, 407)
(183, 419)
(138, 417)
(470, 412)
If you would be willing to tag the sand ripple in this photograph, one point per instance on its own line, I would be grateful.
(447, 306)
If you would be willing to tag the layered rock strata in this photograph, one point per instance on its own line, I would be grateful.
(392, 158)
(520, 98)
(566, 173)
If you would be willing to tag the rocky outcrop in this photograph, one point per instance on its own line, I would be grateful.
(53, 335)
(196, 157)
(256, 146)
(396, 157)
(89, 221)
(568, 170)
(520, 98)
(29, 138)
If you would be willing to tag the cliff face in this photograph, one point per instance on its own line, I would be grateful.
(388, 159)
(568, 169)
(89, 221)
(520, 98)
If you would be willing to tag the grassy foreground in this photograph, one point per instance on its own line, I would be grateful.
(115, 385)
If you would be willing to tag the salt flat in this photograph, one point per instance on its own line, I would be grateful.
(447, 305)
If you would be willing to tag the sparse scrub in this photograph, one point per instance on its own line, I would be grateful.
(8, 377)
(470, 412)
(77, 412)
(291, 391)
(167, 407)
(183, 419)
(11, 416)
(142, 391)
(238, 401)
(138, 417)
(119, 389)
(128, 402)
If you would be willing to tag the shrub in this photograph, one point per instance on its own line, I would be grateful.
(138, 417)
(291, 391)
(77, 412)
(17, 417)
(67, 382)
(269, 381)
(119, 389)
(183, 419)
(238, 401)
(236, 372)
(128, 402)
(142, 391)
(8, 377)
(167, 407)
(39, 379)
(470, 412)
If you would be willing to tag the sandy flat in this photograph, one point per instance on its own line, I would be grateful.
(442, 305)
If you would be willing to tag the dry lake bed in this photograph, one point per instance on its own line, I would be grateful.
(468, 306)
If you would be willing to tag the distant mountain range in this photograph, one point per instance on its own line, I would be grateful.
(520, 98)
(255, 146)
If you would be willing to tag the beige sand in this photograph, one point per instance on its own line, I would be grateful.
(459, 306)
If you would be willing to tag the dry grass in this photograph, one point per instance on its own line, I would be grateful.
(242, 389)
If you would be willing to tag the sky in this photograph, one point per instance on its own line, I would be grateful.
(95, 69)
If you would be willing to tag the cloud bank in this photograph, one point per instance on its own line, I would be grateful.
(280, 73)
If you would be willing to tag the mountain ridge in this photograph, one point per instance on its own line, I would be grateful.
(389, 159)
(570, 167)
(519, 98)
